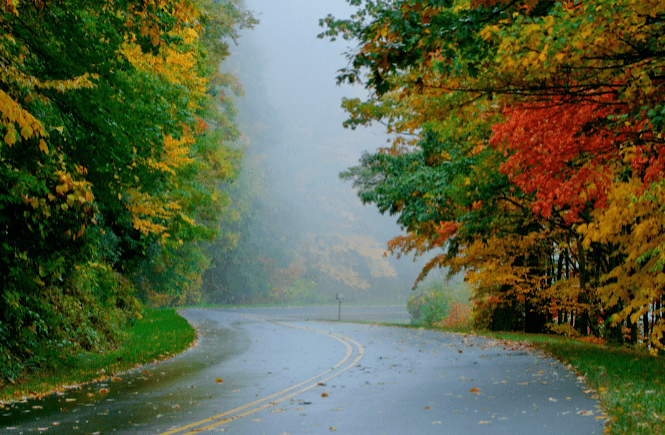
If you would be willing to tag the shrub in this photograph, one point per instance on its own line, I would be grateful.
(438, 301)
(459, 316)
(87, 312)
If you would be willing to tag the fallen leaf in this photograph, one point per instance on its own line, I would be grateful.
(324, 394)
(552, 399)
(427, 407)
(116, 379)
(219, 380)
(332, 429)
(474, 390)
(484, 422)
(583, 412)
(103, 391)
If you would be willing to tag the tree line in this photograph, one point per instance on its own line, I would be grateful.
(115, 138)
(526, 148)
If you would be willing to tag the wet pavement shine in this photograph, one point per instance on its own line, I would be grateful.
(280, 371)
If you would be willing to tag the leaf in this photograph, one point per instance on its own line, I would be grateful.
(474, 390)
(43, 147)
(219, 380)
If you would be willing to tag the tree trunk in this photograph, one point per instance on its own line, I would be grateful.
(582, 322)
(633, 330)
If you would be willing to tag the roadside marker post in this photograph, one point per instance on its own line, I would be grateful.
(339, 297)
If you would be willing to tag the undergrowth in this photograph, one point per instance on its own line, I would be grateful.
(167, 333)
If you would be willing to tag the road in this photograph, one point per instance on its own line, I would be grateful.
(278, 371)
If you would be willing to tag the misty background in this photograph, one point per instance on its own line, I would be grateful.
(299, 233)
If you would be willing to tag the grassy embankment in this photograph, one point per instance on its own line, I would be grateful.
(167, 333)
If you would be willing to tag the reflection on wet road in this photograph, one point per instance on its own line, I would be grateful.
(273, 371)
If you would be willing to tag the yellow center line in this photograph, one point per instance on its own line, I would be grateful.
(349, 352)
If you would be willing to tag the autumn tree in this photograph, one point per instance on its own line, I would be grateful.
(107, 158)
(567, 96)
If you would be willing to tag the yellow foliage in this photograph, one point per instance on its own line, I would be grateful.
(13, 113)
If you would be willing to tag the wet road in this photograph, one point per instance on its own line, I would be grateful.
(273, 371)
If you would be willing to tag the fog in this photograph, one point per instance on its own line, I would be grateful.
(308, 223)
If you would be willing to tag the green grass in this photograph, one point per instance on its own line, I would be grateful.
(167, 333)
(629, 382)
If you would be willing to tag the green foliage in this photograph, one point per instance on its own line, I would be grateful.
(87, 313)
(110, 169)
(302, 292)
(166, 331)
(435, 301)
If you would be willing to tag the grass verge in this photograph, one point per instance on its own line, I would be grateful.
(167, 333)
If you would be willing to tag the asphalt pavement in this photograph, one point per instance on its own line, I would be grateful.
(282, 371)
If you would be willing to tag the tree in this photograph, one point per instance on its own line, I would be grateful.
(106, 157)
(567, 96)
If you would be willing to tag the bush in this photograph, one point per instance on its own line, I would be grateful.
(87, 312)
(491, 313)
(438, 301)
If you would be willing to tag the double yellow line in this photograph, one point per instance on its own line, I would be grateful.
(274, 399)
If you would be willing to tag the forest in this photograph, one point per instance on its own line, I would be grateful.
(116, 140)
(135, 174)
(526, 149)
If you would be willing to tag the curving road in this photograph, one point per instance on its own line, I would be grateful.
(277, 371)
